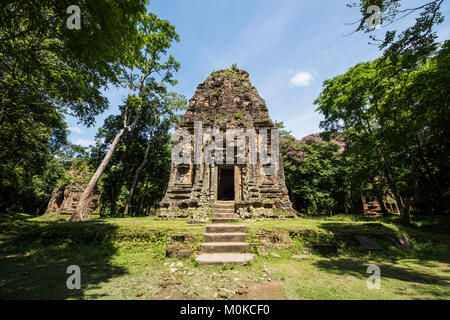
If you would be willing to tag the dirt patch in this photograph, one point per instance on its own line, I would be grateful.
(168, 294)
(273, 290)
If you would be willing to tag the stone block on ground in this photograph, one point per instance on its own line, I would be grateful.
(171, 251)
(224, 258)
(367, 243)
(274, 254)
(402, 242)
(184, 253)
(175, 251)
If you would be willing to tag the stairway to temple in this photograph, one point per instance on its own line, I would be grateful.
(223, 212)
(224, 243)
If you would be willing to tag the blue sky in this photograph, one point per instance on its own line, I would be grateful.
(289, 47)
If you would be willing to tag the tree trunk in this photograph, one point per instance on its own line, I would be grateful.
(2, 115)
(80, 213)
(406, 217)
(345, 207)
(141, 204)
(98, 202)
(136, 175)
(400, 204)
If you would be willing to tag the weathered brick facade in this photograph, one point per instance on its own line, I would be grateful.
(227, 101)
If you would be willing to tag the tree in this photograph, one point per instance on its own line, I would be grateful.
(151, 180)
(416, 41)
(43, 60)
(154, 38)
(396, 113)
(315, 172)
(48, 71)
(27, 145)
(164, 109)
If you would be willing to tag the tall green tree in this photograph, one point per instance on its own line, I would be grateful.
(45, 61)
(146, 57)
(315, 172)
(399, 118)
(138, 172)
(47, 71)
(164, 108)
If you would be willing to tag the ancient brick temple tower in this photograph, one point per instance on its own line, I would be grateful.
(226, 101)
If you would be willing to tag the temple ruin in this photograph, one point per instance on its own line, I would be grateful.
(64, 200)
(226, 102)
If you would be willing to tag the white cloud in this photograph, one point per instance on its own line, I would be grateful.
(75, 130)
(301, 79)
(83, 142)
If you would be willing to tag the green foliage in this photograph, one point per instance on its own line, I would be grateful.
(414, 42)
(232, 72)
(28, 168)
(315, 173)
(283, 133)
(44, 62)
(48, 71)
(395, 121)
(160, 111)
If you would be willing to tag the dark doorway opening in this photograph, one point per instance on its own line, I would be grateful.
(225, 187)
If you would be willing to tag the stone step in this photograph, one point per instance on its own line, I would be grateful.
(224, 258)
(223, 208)
(181, 190)
(216, 247)
(224, 220)
(224, 215)
(225, 228)
(225, 237)
(224, 204)
(178, 196)
(230, 210)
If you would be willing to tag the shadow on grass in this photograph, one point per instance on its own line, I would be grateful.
(423, 282)
(34, 257)
(426, 245)
(415, 273)
(343, 235)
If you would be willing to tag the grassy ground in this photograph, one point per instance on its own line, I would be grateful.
(123, 258)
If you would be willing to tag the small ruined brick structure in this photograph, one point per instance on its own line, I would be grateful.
(226, 100)
(65, 200)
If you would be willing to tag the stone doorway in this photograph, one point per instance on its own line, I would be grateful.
(225, 183)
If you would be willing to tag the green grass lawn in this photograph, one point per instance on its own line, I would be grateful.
(123, 258)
